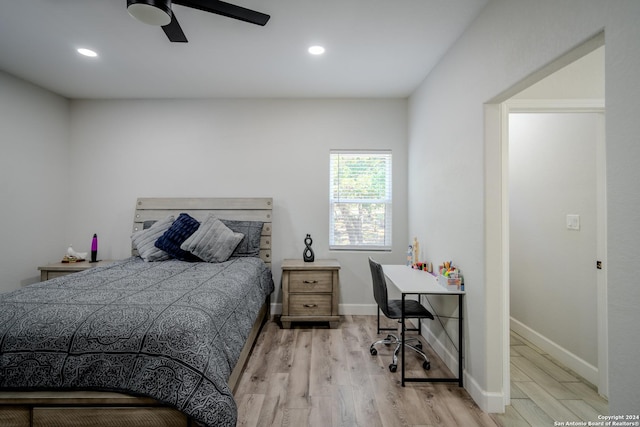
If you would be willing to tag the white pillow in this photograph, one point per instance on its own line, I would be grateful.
(212, 241)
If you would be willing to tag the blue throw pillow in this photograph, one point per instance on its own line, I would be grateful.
(183, 227)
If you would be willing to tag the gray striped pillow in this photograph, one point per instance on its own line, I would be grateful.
(144, 240)
(212, 241)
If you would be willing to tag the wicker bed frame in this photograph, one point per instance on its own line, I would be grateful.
(107, 409)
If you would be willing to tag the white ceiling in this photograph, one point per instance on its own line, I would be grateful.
(375, 48)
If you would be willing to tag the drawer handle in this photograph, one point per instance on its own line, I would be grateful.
(310, 305)
(310, 282)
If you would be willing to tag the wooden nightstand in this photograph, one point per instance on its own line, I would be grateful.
(58, 269)
(310, 291)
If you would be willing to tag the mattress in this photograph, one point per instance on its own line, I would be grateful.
(170, 330)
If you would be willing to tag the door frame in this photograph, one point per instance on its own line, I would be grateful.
(496, 221)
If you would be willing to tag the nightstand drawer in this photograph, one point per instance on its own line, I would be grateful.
(310, 281)
(309, 305)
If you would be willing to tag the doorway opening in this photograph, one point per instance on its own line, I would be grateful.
(497, 206)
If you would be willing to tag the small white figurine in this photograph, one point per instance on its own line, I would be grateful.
(77, 255)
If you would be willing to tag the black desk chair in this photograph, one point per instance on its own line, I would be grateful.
(393, 310)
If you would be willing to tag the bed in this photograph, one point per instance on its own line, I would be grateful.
(140, 343)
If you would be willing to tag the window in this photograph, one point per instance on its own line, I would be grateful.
(360, 200)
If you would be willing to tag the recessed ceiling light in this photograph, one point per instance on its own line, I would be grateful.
(316, 50)
(87, 52)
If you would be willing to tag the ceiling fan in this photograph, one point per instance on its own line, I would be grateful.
(158, 12)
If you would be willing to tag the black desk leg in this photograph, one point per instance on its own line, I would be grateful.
(402, 337)
(460, 340)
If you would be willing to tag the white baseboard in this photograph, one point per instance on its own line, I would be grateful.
(487, 401)
(562, 355)
(450, 359)
(491, 402)
(276, 308)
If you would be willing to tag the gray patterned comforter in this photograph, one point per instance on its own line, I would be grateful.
(169, 330)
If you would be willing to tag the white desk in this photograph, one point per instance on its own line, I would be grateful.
(416, 282)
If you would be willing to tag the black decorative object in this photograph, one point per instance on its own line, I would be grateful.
(307, 255)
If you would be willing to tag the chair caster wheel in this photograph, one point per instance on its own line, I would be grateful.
(393, 367)
(426, 365)
(373, 351)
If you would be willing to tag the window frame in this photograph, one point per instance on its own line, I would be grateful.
(387, 200)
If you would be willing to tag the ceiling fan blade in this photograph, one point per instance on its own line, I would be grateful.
(174, 31)
(226, 9)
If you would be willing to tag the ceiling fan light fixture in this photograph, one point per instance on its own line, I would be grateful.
(152, 12)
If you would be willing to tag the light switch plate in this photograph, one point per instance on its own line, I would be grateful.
(573, 222)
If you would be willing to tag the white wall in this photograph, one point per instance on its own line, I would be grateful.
(124, 149)
(508, 42)
(34, 184)
(552, 173)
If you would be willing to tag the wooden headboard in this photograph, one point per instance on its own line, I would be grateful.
(240, 209)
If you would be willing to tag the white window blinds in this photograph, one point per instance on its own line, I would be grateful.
(360, 200)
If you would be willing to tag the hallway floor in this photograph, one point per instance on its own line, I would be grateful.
(544, 391)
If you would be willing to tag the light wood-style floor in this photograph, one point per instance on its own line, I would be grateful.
(544, 391)
(316, 376)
